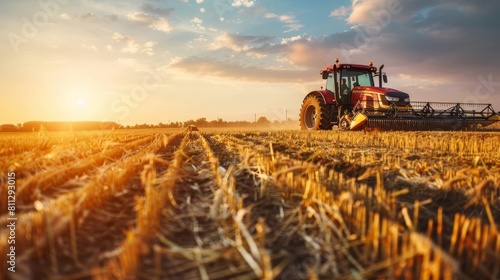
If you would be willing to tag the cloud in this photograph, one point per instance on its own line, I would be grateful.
(253, 11)
(431, 31)
(436, 50)
(236, 71)
(65, 16)
(198, 22)
(128, 62)
(291, 23)
(404, 76)
(87, 17)
(148, 8)
(148, 48)
(302, 51)
(90, 47)
(362, 10)
(227, 41)
(293, 27)
(285, 41)
(282, 18)
(112, 17)
(155, 23)
(132, 46)
(339, 12)
(242, 3)
(240, 43)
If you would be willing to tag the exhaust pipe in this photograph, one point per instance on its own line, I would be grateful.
(380, 75)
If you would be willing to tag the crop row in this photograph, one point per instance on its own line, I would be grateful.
(67, 226)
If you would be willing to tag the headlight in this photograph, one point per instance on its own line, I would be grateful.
(407, 100)
(392, 99)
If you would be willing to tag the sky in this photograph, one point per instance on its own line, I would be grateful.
(173, 60)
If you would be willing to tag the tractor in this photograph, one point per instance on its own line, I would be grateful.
(351, 101)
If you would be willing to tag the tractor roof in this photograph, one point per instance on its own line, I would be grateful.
(348, 66)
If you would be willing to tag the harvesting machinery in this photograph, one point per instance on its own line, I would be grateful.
(352, 102)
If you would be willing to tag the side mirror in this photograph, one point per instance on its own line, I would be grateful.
(384, 77)
(324, 74)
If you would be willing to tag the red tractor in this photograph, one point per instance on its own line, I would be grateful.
(352, 101)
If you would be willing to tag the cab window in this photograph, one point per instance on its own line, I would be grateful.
(364, 79)
(330, 85)
(358, 78)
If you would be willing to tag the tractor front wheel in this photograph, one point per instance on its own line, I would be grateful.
(344, 123)
(315, 114)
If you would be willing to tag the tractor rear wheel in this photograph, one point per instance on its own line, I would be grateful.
(315, 114)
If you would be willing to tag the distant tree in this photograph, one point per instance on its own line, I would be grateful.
(188, 123)
(174, 125)
(263, 121)
(201, 122)
(8, 128)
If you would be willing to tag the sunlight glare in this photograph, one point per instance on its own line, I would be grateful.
(80, 102)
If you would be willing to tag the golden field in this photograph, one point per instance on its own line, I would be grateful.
(211, 204)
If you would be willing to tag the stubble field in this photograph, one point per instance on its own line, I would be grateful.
(161, 204)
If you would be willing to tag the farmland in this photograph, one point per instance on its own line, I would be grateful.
(172, 204)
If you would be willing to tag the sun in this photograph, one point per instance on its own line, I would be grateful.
(80, 97)
(80, 102)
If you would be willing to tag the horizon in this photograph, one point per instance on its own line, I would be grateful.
(144, 123)
(172, 61)
(261, 120)
(61, 126)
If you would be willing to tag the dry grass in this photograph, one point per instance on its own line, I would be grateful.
(255, 205)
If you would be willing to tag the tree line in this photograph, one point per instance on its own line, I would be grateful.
(203, 122)
(59, 126)
(94, 125)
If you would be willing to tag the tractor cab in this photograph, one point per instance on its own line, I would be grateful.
(342, 79)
